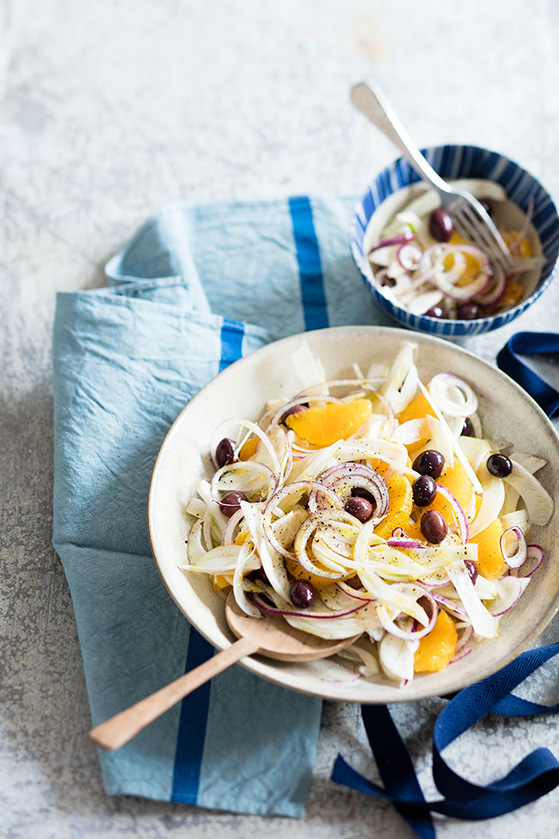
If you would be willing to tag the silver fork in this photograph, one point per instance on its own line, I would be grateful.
(470, 218)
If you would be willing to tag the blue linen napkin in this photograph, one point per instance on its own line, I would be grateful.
(196, 288)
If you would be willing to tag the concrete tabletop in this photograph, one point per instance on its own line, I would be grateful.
(112, 108)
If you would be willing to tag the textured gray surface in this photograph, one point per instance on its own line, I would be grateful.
(112, 108)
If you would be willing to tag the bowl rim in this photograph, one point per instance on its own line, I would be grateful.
(514, 311)
(255, 663)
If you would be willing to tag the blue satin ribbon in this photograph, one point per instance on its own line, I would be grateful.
(535, 775)
(531, 343)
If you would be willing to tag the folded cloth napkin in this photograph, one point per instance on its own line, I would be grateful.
(196, 288)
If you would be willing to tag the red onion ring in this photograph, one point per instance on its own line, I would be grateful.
(352, 593)
(519, 556)
(515, 247)
(300, 487)
(241, 464)
(229, 529)
(272, 610)
(438, 388)
(306, 531)
(344, 476)
(413, 634)
(533, 552)
(403, 542)
(468, 292)
(459, 513)
(395, 240)
(464, 639)
(409, 256)
(496, 290)
(450, 605)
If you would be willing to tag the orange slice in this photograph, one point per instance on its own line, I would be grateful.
(400, 503)
(512, 236)
(221, 581)
(437, 649)
(456, 480)
(323, 425)
(490, 560)
(248, 448)
(419, 408)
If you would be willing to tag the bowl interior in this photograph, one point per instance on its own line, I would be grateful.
(382, 199)
(241, 390)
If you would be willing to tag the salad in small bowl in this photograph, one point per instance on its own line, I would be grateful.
(429, 277)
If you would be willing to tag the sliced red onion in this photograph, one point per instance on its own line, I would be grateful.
(300, 487)
(275, 543)
(429, 584)
(461, 519)
(245, 466)
(518, 557)
(439, 387)
(345, 476)
(526, 227)
(458, 657)
(229, 529)
(272, 610)
(446, 280)
(395, 240)
(496, 289)
(310, 394)
(450, 605)
(412, 634)
(464, 639)
(409, 256)
(535, 555)
(403, 542)
(510, 589)
(352, 593)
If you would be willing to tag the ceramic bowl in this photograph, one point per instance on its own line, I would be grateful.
(398, 183)
(241, 391)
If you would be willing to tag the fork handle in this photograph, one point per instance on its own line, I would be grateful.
(375, 107)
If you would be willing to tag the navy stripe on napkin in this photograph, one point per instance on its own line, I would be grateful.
(310, 267)
(195, 707)
(232, 334)
(192, 726)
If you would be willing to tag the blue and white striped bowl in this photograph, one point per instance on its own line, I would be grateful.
(461, 162)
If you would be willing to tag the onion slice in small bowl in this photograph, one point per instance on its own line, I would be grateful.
(409, 256)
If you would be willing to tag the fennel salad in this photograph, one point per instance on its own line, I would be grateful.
(424, 265)
(372, 506)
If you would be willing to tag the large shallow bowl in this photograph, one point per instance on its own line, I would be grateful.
(241, 390)
(384, 198)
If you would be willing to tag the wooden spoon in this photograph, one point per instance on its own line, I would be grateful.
(271, 636)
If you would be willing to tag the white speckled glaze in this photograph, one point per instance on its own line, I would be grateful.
(241, 390)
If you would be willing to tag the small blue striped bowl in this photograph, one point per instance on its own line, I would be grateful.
(460, 162)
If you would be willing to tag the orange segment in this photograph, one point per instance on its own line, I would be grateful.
(512, 296)
(418, 408)
(512, 236)
(221, 581)
(322, 426)
(319, 583)
(471, 270)
(400, 503)
(490, 561)
(437, 649)
(248, 448)
(457, 482)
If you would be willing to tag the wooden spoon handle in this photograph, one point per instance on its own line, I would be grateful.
(119, 729)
